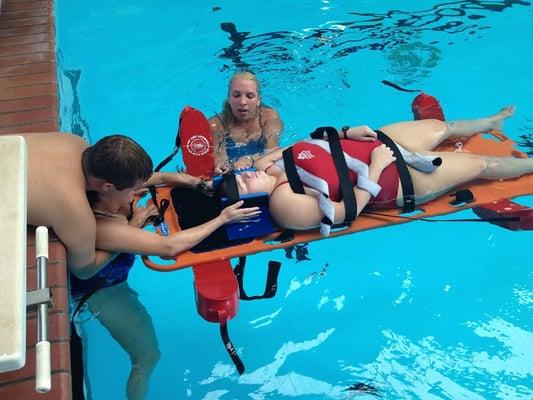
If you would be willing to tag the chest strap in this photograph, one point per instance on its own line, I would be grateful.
(343, 174)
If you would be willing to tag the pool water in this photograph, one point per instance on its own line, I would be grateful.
(417, 311)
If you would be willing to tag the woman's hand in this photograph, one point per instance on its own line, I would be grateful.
(221, 168)
(382, 157)
(235, 214)
(243, 162)
(362, 133)
(141, 215)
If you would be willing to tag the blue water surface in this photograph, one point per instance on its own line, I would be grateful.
(418, 311)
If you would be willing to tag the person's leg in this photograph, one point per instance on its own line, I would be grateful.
(427, 134)
(128, 322)
(81, 380)
(467, 128)
(459, 168)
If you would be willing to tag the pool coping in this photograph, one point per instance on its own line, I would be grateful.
(29, 103)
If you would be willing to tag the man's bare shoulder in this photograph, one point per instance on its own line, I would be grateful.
(56, 182)
(54, 138)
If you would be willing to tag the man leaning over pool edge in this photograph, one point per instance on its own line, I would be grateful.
(62, 168)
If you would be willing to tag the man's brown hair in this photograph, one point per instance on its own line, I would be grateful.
(119, 160)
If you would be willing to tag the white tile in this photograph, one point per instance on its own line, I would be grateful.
(13, 167)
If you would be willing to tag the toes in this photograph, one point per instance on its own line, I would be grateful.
(508, 111)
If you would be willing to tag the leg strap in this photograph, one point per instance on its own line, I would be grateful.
(405, 177)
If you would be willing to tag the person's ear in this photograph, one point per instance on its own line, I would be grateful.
(106, 187)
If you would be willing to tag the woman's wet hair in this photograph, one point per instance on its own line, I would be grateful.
(119, 160)
(247, 76)
(227, 115)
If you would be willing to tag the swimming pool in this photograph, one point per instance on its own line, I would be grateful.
(421, 311)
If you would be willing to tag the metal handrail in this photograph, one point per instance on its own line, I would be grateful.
(43, 379)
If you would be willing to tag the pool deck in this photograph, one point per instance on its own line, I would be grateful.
(29, 103)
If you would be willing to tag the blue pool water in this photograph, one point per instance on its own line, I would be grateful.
(418, 311)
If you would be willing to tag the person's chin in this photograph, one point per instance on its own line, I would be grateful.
(243, 116)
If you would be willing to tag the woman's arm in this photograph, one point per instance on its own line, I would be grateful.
(272, 128)
(172, 179)
(361, 133)
(138, 220)
(268, 159)
(117, 237)
(219, 144)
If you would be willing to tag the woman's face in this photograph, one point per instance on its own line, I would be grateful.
(243, 99)
(253, 182)
(124, 196)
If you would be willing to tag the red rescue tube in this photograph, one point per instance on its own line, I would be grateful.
(505, 209)
(425, 106)
(196, 143)
(216, 291)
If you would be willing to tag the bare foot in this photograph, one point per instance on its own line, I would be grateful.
(497, 119)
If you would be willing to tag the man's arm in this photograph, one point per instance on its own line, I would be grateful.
(172, 179)
(76, 227)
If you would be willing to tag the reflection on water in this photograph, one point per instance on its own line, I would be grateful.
(71, 119)
(425, 369)
(412, 61)
(306, 50)
(525, 143)
(271, 382)
(405, 369)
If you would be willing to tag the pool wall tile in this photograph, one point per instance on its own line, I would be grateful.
(29, 103)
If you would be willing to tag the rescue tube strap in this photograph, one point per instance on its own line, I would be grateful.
(161, 207)
(98, 283)
(76, 362)
(224, 334)
(398, 87)
(167, 159)
(405, 177)
(177, 145)
(496, 219)
(271, 285)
